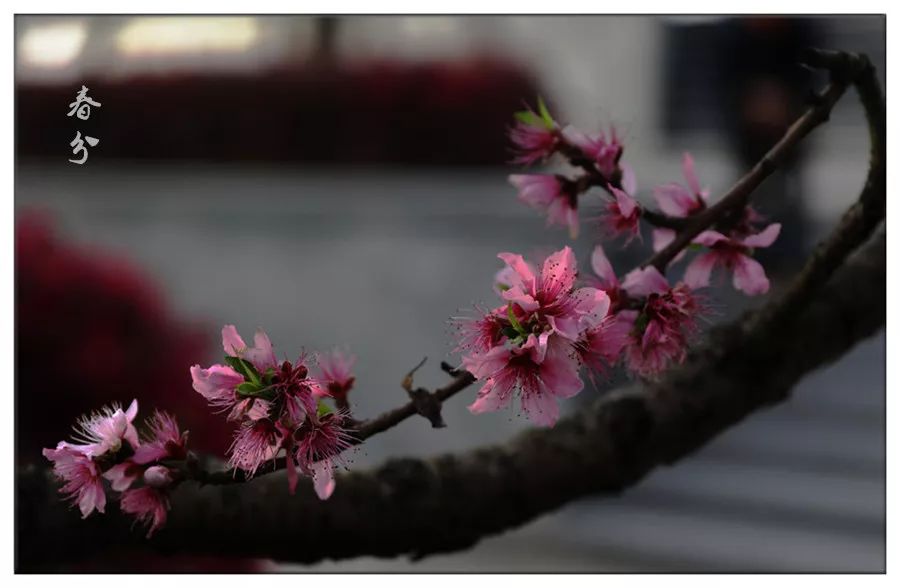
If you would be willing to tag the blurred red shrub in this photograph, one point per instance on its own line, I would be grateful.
(91, 328)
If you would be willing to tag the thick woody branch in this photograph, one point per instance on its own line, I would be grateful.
(419, 507)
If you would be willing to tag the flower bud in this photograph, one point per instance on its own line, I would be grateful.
(158, 477)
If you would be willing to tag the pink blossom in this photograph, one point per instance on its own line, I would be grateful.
(533, 347)
(535, 137)
(680, 201)
(261, 355)
(659, 333)
(321, 437)
(291, 383)
(123, 475)
(255, 442)
(480, 333)
(165, 440)
(661, 239)
(336, 374)
(733, 253)
(538, 374)
(83, 483)
(605, 278)
(148, 505)
(644, 281)
(250, 408)
(548, 193)
(217, 384)
(549, 299)
(318, 444)
(604, 153)
(601, 346)
(622, 215)
(104, 430)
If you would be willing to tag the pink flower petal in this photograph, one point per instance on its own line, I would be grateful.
(700, 269)
(484, 365)
(323, 479)
(525, 301)
(132, 410)
(565, 326)
(122, 475)
(521, 267)
(559, 373)
(645, 281)
(674, 200)
(92, 498)
(217, 383)
(710, 238)
(559, 270)
(592, 306)
(490, 399)
(541, 408)
(749, 276)
(690, 175)
(627, 204)
(765, 237)
(662, 238)
(536, 190)
(232, 341)
(603, 268)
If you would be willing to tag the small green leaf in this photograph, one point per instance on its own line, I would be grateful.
(529, 118)
(640, 324)
(511, 315)
(545, 114)
(503, 287)
(245, 368)
(322, 409)
(695, 247)
(247, 389)
(510, 332)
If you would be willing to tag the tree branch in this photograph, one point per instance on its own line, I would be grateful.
(845, 68)
(419, 507)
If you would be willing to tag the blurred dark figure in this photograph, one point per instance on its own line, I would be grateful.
(764, 89)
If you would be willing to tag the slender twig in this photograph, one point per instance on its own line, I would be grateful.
(362, 431)
(664, 221)
(846, 69)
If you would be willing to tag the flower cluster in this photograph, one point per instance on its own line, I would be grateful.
(106, 446)
(530, 345)
(536, 136)
(535, 345)
(731, 247)
(656, 320)
(279, 406)
(729, 244)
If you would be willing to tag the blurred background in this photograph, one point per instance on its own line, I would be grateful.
(342, 181)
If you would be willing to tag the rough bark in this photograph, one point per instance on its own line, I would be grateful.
(418, 507)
